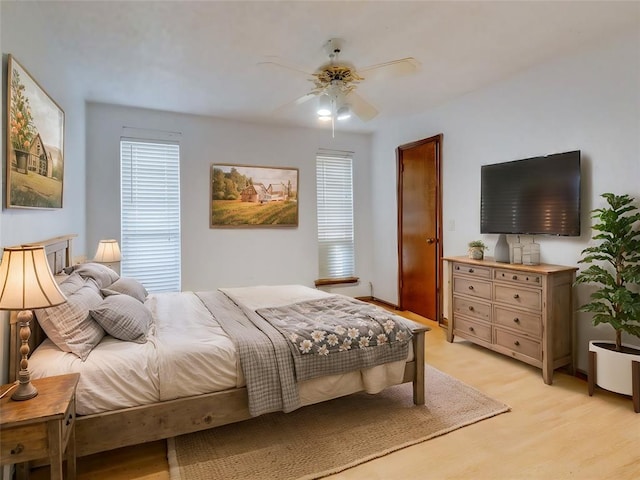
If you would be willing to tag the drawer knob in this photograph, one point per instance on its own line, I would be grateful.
(515, 277)
(457, 268)
(515, 295)
(470, 287)
(516, 343)
(19, 448)
(471, 270)
(517, 320)
(471, 308)
(471, 329)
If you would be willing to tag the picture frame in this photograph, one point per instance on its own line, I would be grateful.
(249, 196)
(35, 143)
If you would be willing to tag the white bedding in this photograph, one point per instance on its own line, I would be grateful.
(188, 354)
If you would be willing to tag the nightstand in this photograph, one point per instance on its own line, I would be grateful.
(42, 427)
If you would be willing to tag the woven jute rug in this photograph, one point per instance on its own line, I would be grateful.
(329, 437)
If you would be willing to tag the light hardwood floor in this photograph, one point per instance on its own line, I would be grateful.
(553, 432)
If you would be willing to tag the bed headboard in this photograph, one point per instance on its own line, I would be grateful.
(58, 251)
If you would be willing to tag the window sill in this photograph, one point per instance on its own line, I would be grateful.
(321, 282)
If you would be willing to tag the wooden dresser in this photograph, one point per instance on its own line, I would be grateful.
(523, 311)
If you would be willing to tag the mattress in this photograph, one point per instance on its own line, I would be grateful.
(187, 354)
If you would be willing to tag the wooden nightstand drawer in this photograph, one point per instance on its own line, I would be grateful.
(465, 327)
(519, 297)
(518, 320)
(471, 286)
(524, 278)
(472, 308)
(27, 442)
(473, 270)
(518, 344)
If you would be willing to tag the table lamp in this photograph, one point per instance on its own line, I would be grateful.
(26, 283)
(108, 252)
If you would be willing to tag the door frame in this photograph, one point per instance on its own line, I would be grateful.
(439, 241)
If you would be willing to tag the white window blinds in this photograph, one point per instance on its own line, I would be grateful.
(334, 179)
(150, 213)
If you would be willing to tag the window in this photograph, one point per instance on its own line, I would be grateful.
(335, 217)
(150, 213)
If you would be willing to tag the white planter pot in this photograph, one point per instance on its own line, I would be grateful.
(613, 369)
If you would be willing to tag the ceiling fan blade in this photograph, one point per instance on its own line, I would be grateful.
(281, 63)
(402, 66)
(304, 98)
(294, 103)
(362, 109)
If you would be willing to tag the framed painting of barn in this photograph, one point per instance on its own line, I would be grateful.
(252, 196)
(35, 143)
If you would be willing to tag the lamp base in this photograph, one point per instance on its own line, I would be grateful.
(25, 389)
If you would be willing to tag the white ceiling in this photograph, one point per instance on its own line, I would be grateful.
(203, 57)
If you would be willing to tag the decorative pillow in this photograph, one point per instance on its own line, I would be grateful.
(123, 317)
(101, 274)
(127, 286)
(70, 325)
(71, 284)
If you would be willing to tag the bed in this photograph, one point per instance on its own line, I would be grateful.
(155, 396)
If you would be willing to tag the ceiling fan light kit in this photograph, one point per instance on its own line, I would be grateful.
(335, 83)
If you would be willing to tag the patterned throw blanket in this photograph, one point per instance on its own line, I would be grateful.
(264, 355)
(338, 334)
(281, 346)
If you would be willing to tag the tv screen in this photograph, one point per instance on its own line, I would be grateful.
(533, 196)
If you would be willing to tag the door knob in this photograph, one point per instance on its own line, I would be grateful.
(430, 240)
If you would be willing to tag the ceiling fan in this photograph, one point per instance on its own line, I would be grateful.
(335, 83)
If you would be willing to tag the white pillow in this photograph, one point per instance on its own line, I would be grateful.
(123, 317)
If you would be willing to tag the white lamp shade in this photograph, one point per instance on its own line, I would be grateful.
(343, 113)
(324, 106)
(108, 251)
(26, 281)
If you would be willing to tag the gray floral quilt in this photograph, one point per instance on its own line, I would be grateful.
(339, 334)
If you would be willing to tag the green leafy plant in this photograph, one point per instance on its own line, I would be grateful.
(22, 127)
(617, 267)
(478, 244)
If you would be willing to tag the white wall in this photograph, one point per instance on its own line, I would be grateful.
(214, 258)
(38, 54)
(589, 101)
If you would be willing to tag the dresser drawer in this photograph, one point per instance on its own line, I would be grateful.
(466, 327)
(517, 296)
(519, 344)
(520, 321)
(472, 308)
(471, 286)
(532, 279)
(472, 270)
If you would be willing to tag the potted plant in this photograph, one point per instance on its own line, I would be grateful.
(615, 267)
(476, 249)
(22, 128)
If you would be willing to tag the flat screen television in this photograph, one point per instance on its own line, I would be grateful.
(533, 196)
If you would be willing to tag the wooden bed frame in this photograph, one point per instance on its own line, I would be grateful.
(135, 425)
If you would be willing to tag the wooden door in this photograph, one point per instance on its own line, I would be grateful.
(420, 227)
